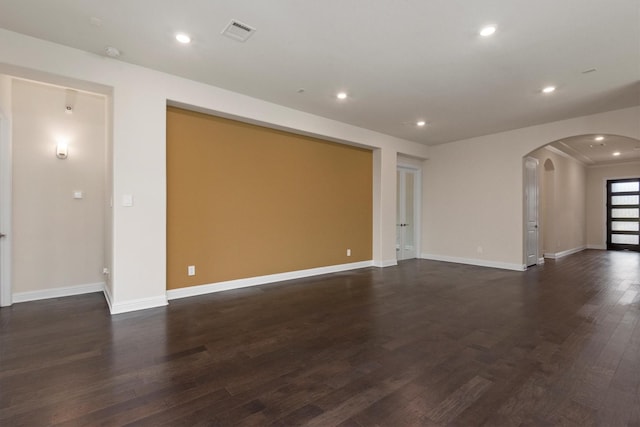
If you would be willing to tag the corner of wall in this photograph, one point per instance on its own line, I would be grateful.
(135, 305)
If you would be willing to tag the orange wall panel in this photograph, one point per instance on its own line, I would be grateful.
(246, 201)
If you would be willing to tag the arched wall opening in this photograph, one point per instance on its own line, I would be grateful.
(572, 176)
(477, 184)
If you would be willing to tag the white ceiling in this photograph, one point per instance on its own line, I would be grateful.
(399, 60)
(590, 151)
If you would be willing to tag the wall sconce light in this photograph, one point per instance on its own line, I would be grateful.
(62, 150)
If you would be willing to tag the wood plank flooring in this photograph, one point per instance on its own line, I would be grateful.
(421, 344)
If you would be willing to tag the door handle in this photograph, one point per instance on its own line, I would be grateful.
(2, 235)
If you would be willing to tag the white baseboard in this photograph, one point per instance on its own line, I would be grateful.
(565, 253)
(57, 292)
(540, 260)
(385, 263)
(598, 247)
(136, 304)
(261, 280)
(478, 262)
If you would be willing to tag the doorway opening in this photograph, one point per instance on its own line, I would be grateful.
(54, 191)
(407, 212)
(531, 210)
(548, 199)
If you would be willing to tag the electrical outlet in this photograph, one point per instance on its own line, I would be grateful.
(191, 270)
(348, 252)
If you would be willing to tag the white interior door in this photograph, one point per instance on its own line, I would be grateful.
(5, 213)
(406, 213)
(531, 210)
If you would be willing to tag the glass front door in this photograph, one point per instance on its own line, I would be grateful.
(623, 214)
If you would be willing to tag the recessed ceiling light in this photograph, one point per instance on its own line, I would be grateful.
(488, 31)
(549, 89)
(599, 138)
(183, 38)
(616, 153)
(421, 123)
(341, 95)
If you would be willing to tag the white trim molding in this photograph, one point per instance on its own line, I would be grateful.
(136, 304)
(586, 162)
(565, 253)
(478, 262)
(262, 280)
(541, 260)
(58, 292)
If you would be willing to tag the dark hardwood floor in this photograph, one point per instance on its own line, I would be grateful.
(424, 343)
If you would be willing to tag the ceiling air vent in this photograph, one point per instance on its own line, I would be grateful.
(238, 31)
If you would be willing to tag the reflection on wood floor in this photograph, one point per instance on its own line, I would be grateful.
(423, 343)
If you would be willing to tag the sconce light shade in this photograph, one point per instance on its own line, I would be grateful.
(62, 150)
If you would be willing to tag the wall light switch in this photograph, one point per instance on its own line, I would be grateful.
(127, 200)
(78, 194)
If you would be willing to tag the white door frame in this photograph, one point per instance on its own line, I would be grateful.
(417, 202)
(5, 211)
(525, 211)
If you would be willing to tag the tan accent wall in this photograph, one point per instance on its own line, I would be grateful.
(246, 201)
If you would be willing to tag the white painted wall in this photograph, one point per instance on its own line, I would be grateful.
(58, 241)
(473, 188)
(569, 205)
(597, 177)
(139, 98)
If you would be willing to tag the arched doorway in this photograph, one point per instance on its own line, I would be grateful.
(573, 175)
